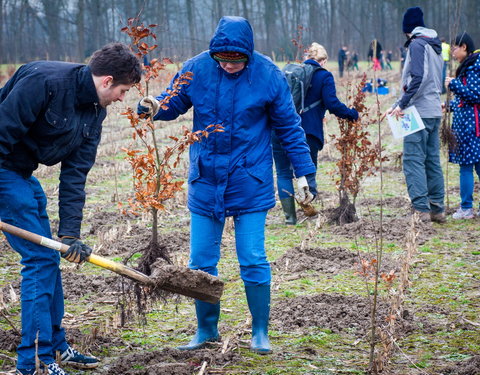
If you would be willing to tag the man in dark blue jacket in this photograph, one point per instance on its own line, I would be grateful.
(52, 112)
(231, 172)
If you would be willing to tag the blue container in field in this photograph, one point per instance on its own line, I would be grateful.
(383, 90)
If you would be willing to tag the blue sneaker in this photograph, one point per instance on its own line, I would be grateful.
(53, 369)
(72, 357)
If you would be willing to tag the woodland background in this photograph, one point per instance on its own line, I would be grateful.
(71, 30)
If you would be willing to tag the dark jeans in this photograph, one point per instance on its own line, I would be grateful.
(422, 168)
(23, 204)
(284, 168)
(467, 184)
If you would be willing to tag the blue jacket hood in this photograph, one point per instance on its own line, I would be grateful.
(233, 34)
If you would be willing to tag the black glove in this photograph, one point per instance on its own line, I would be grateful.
(312, 184)
(78, 251)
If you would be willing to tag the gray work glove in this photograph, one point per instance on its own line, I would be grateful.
(148, 106)
(78, 251)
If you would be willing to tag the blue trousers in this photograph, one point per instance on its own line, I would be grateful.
(422, 168)
(23, 204)
(284, 168)
(467, 184)
(205, 238)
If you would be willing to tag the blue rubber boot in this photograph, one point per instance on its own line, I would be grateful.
(207, 325)
(258, 297)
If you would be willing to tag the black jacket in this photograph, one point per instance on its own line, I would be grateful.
(49, 114)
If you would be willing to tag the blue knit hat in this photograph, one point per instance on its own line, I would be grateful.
(412, 18)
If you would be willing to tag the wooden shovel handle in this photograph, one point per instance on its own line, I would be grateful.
(94, 259)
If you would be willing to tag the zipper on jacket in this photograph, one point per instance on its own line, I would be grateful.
(96, 109)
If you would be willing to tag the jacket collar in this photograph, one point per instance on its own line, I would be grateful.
(312, 62)
(86, 91)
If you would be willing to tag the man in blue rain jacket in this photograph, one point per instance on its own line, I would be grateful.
(231, 172)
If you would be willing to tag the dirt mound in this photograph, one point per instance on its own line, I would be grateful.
(125, 239)
(469, 367)
(9, 340)
(393, 230)
(97, 288)
(335, 312)
(328, 260)
(94, 341)
(390, 202)
(169, 361)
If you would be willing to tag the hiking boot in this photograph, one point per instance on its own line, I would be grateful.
(462, 214)
(53, 369)
(438, 217)
(72, 357)
(424, 216)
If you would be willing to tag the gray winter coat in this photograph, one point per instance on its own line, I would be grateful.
(422, 74)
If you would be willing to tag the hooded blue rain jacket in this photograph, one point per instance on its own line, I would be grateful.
(231, 172)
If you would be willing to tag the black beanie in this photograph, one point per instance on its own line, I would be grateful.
(412, 18)
(464, 38)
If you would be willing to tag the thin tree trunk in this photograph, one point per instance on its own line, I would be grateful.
(81, 30)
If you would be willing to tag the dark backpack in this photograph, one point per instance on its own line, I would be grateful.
(299, 77)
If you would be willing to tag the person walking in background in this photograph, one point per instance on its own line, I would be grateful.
(231, 172)
(342, 57)
(403, 55)
(422, 85)
(466, 121)
(446, 60)
(389, 60)
(321, 95)
(52, 112)
(375, 54)
(355, 61)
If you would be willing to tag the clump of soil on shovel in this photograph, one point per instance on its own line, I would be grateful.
(167, 278)
(182, 280)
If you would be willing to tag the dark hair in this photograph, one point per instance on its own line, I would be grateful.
(118, 61)
(460, 40)
(464, 38)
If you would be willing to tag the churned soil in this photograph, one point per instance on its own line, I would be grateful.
(9, 340)
(328, 260)
(470, 366)
(393, 229)
(100, 288)
(337, 313)
(169, 361)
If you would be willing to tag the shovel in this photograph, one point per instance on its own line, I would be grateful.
(205, 287)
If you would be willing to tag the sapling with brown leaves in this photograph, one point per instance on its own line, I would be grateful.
(152, 166)
(359, 157)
